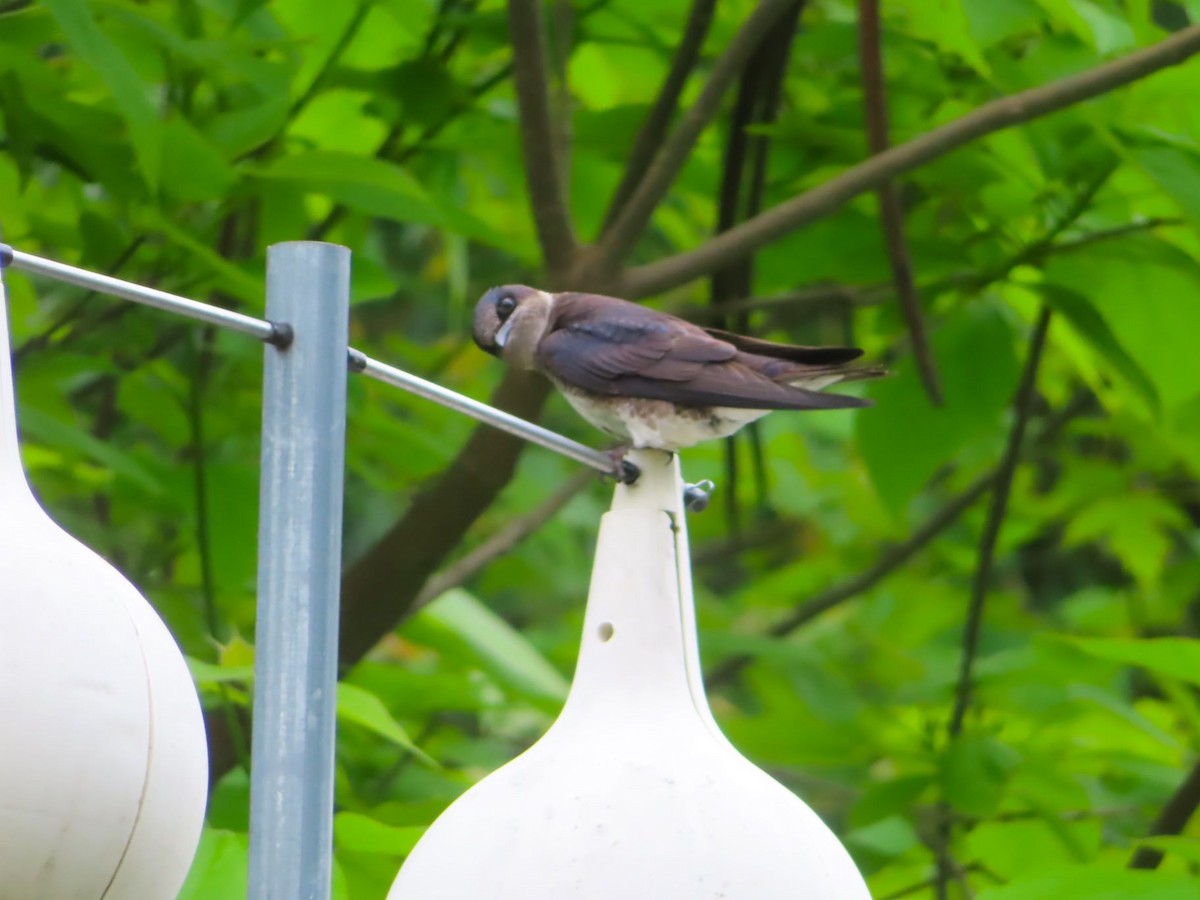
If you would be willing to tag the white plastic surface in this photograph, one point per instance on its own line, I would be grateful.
(103, 759)
(633, 792)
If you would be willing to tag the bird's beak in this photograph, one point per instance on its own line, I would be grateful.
(504, 332)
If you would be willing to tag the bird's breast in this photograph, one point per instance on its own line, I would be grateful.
(657, 424)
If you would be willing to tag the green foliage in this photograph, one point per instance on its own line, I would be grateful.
(170, 143)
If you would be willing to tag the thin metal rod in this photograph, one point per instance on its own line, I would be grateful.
(299, 545)
(279, 333)
(127, 290)
(535, 434)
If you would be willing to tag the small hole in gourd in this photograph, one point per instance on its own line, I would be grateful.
(605, 631)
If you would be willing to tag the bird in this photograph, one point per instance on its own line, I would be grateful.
(653, 380)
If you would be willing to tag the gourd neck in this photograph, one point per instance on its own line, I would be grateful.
(638, 657)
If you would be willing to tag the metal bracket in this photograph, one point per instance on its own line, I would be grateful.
(696, 496)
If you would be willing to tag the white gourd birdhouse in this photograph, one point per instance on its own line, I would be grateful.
(103, 759)
(633, 792)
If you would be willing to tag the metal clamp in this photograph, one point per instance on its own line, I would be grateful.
(696, 496)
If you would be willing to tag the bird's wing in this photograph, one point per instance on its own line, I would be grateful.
(614, 348)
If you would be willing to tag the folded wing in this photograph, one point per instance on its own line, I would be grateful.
(610, 347)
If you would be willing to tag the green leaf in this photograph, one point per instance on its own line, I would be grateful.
(501, 649)
(974, 772)
(1144, 289)
(362, 834)
(1091, 326)
(1135, 526)
(220, 869)
(1110, 32)
(888, 837)
(207, 674)
(904, 439)
(991, 22)
(131, 95)
(57, 433)
(1093, 883)
(192, 168)
(368, 185)
(227, 276)
(1182, 846)
(1175, 167)
(1175, 657)
(354, 704)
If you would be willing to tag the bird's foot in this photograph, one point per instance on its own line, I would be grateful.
(623, 470)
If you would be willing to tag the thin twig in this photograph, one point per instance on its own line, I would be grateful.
(1003, 113)
(1174, 817)
(891, 211)
(881, 292)
(890, 560)
(335, 55)
(995, 520)
(439, 22)
(543, 168)
(464, 569)
(650, 136)
(79, 307)
(619, 238)
(898, 554)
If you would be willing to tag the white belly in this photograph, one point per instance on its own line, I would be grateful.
(658, 424)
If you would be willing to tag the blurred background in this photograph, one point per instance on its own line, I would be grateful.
(962, 624)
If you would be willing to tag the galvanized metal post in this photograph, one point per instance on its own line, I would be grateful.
(299, 568)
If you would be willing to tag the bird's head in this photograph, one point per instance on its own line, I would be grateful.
(510, 320)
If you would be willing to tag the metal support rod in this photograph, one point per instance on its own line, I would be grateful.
(280, 333)
(489, 415)
(299, 541)
(127, 290)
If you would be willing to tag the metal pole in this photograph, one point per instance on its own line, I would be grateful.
(127, 290)
(299, 545)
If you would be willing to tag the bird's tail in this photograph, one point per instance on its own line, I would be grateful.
(814, 378)
(860, 373)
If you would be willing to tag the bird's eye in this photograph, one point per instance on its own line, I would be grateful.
(504, 307)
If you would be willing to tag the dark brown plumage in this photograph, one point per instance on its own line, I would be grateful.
(604, 353)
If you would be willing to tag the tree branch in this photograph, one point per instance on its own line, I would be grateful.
(619, 238)
(1174, 817)
(502, 541)
(891, 212)
(560, 94)
(1003, 113)
(872, 294)
(995, 520)
(379, 589)
(650, 135)
(543, 168)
